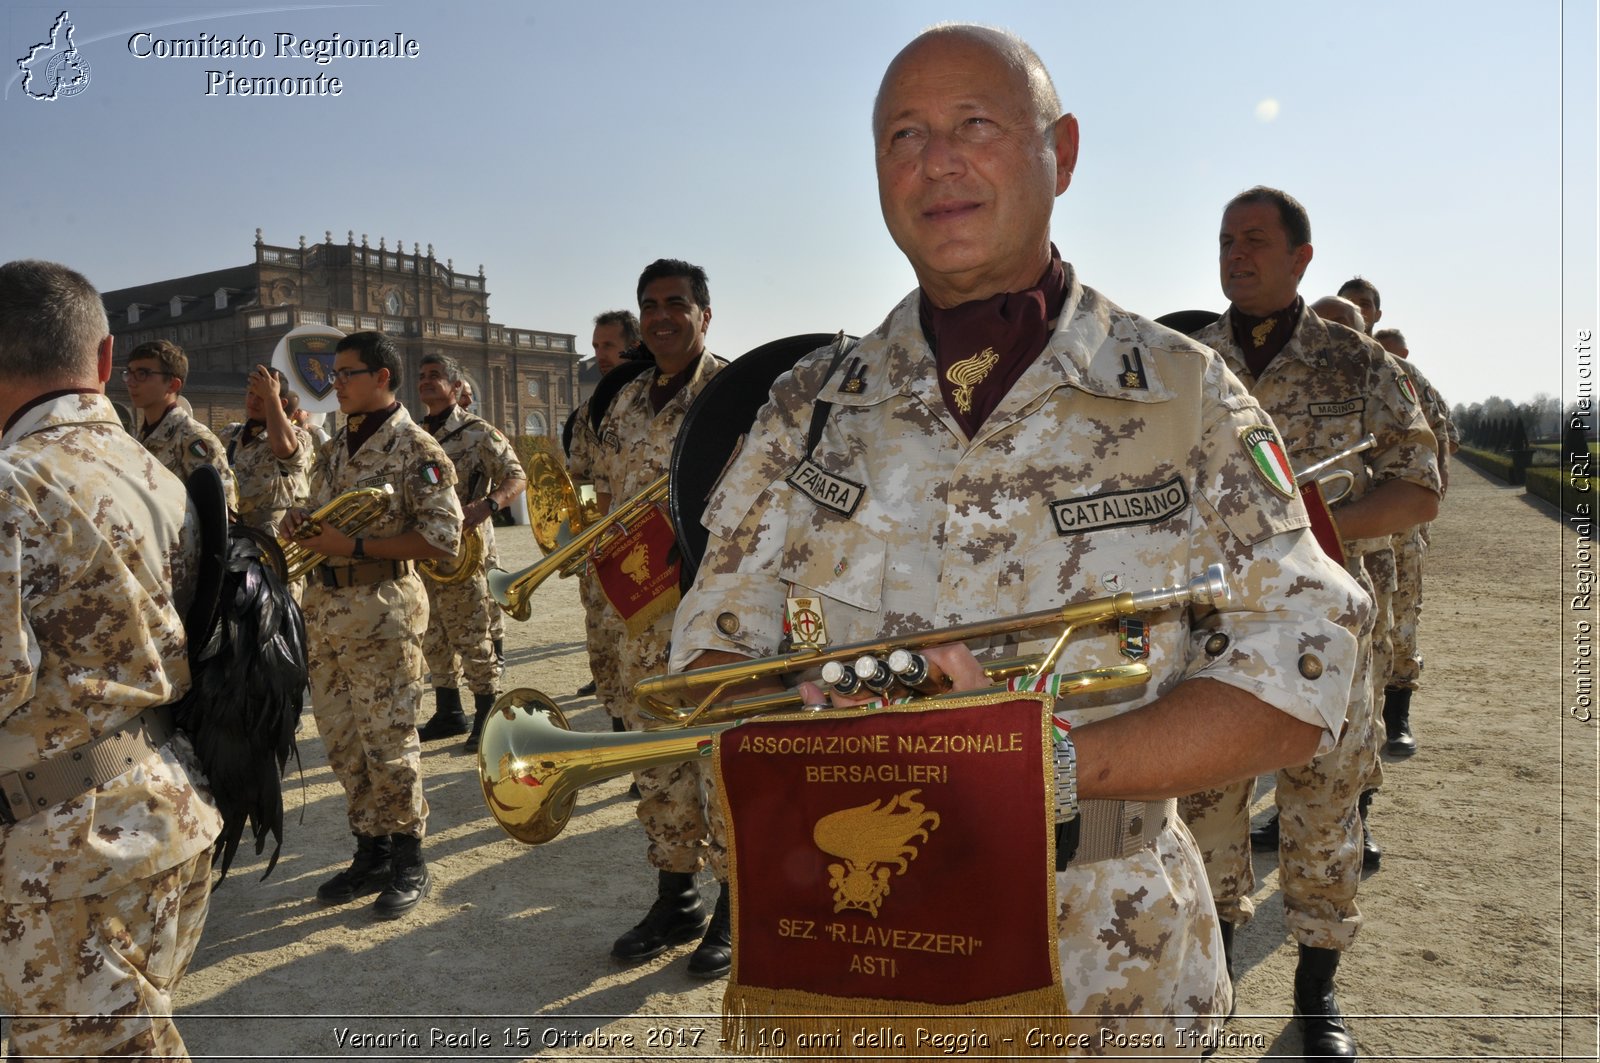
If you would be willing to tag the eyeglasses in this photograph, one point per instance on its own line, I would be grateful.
(343, 376)
(142, 374)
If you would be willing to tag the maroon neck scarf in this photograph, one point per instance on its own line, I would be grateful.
(983, 347)
(663, 387)
(360, 427)
(1261, 338)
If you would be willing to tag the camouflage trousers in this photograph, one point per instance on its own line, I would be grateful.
(364, 696)
(93, 976)
(603, 633)
(458, 641)
(1407, 606)
(678, 803)
(1141, 954)
(1319, 828)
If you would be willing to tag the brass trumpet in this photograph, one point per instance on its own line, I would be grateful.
(350, 512)
(1339, 483)
(531, 765)
(466, 564)
(514, 590)
(660, 696)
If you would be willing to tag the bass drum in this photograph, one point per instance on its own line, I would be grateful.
(716, 421)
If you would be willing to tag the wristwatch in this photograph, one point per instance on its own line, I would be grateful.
(359, 551)
(492, 503)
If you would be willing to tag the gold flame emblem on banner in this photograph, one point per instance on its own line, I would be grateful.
(869, 838)
(637, 563)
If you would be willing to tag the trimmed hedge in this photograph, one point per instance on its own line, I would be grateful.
(1496, 465)
(1579, 491)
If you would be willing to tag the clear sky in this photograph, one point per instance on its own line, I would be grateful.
(1444, 148)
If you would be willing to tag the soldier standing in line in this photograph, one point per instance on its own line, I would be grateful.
(104, 881)
(635, 446)
(366, 613)
(979, 411)
(461, 614)
(269, 454)
(615, 332)
(1325, 386)
(154, 377)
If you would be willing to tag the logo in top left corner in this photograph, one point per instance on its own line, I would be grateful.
(55, 68)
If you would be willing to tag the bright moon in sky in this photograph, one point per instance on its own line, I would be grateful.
(1266, 110)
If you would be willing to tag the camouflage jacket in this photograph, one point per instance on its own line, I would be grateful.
(268, 485)
(183, 444)
(97, 553)
(483, 458)
(635, 442)
(406, 457)
(1125, 458)
(1325, 390)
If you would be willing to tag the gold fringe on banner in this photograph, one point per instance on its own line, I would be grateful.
(664, 603)
(759, 1021)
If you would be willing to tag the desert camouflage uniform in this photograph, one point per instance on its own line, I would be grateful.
(950, 532)
(102, 897)
(1410, 547)
(268, 485)
(461, 615)
(603, 630)
(683, 825)
(1325, 390)
(366, 641)
(183, 444)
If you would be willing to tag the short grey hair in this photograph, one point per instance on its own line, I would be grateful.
(1338, 309)
(51, 321)
(451, 367)
(1017, 53)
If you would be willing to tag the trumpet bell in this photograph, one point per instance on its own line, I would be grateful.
(531, 764)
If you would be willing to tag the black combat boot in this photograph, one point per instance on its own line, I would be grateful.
(410, 881)
(714, 957)
(587, 690)
(482, 705)
(500, 652)
(676, 916)
(448, 719)
(1371, 852)
(368, 872)
(1264, 839)
(1322, 1031)
(1397, 722)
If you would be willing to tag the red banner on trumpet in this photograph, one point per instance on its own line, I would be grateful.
(850, 839)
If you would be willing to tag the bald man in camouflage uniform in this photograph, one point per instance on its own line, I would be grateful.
(1325, 386)
(103, 889)
(461, 614)
(269, 454)
(636, 440)
(938, 520)
(366, 612)
(154, 378)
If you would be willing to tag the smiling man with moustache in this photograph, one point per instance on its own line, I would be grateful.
(636, 439)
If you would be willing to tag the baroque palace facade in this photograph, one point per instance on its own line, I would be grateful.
(524, 380)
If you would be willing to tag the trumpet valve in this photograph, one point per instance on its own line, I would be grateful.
(310, 529)
(840, 679)
(916, 672)
(874, 674)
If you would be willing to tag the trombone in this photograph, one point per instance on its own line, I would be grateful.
(349, 512)
(531, 765)
(514, 590)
